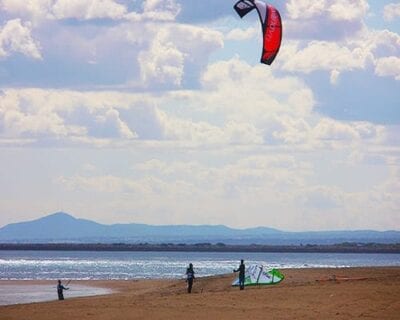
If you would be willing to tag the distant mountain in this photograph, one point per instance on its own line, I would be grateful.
(62, 227)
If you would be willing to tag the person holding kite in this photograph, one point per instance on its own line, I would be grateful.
(242, 271)
(60, 290)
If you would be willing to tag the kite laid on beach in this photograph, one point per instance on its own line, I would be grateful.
(259, 275)
(271, 24)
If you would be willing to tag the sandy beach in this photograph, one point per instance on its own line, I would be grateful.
(349, 293)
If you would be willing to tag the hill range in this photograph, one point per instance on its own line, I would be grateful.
(63, 228)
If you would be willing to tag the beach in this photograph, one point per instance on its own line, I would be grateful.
(335, 293)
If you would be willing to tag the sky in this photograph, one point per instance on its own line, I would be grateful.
(159, 112)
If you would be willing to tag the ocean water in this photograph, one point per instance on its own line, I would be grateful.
(82, 265)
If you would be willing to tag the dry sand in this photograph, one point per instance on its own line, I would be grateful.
(370, 293)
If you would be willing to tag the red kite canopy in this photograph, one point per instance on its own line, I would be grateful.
(271, 25)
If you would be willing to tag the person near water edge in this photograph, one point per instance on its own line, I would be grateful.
(241, 270)
(190, 277)
(60, 290)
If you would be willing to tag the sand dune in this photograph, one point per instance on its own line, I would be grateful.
(370, 293)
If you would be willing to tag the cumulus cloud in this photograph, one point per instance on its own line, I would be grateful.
(325, 19)
(388, 66)
(40, 10)
(135, 53)
(163, 63)
(241, 181)
(336, 9)
(37, 9)
(233, 107)
(344, 10)
(88, 9)
(336, 57)
(379, 42)
(329, 129)
(304, 9)
(172, 48)
(59, 115)
(330, 56)
(241, 93)
(161, 9)
(391, 11)
(203, 133)
(15, 37)
(332, 35)
(64, 9)
(289, 183)
(240, 34)
(291, 120)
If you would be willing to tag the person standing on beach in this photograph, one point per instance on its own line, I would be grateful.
(190, 277)
(60, 290)
(241, 269)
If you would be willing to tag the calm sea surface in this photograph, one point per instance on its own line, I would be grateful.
(51, 265)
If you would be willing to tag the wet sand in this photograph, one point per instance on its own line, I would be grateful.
(28, 291)
(349, 293)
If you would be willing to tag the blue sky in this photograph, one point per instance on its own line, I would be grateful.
(160, 112)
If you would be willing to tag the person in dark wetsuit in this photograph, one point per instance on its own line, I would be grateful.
(190, 277)
(60, 290)
(241, 269)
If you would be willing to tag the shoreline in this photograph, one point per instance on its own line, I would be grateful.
(318, 293)
(33, 291)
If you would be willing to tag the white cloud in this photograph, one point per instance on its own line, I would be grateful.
(88, 9)
(240, 34)
(378, 42)
(39, 10)
(60, 115)
(334, 78)
(388, 66)
(289, 184)
(233, 107)
(340, 10)
(332, 35)
(237, 182)
(348, 10)
(15, 37)
(391, 11)
(36, 9)
(204, 133)
(172, 48)
(161, 9)
(336, 57)
(330, 56)
(325, 19)
(240, 91)
(163, 63)
(64, 9)
(305, 9)
(329, 129)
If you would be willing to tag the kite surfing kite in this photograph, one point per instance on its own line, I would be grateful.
(271, 24)
(259, 275)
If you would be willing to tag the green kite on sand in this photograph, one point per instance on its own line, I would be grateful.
(259, 275)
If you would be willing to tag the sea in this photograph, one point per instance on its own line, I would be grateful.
(98, 265)
(84, 265)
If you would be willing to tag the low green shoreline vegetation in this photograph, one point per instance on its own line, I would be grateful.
(346, 247)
